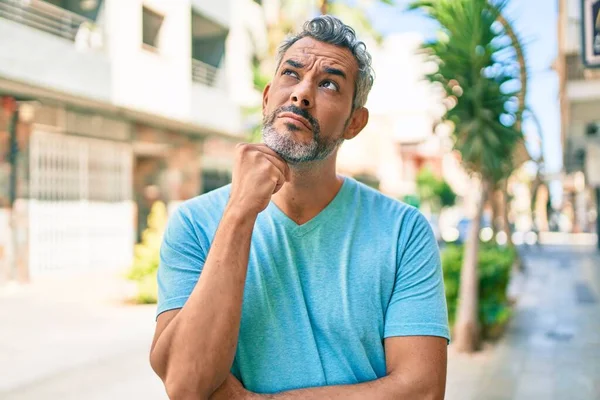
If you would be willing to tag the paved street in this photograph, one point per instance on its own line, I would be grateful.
(63, 340)
(552, 348)
(67, 340)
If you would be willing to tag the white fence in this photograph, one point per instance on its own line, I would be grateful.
(79, 236)
(81, 215)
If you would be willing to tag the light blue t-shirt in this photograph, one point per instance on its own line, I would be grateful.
(319, 297)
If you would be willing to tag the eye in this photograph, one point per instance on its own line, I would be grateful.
(331, 85)
(289, 72)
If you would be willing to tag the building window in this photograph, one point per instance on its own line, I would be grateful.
(575, 68)
(151, 24)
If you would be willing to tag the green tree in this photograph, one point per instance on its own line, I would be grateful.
(476, 69)
(427, 184)
(434, 191)
(446, 194)
(520, 154)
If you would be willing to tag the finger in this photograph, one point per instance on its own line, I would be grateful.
(277, 188)
(280, 182)
(274, 158)
(281, 165)
(267, 150)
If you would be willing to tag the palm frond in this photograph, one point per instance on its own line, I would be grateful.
(476, 53)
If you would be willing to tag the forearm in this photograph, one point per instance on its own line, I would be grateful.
(377, 389)
(197, 348)
(389, 387)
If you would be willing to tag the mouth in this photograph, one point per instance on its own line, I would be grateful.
(297, 118)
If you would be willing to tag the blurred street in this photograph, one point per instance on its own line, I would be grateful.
(82, 344)
(72, 340)
(551, 349)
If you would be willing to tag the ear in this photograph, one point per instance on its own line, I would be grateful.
(265, 97)
(358, 120)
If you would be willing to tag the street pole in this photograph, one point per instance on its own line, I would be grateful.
(598, 216)
(13, 150)
(12, 191)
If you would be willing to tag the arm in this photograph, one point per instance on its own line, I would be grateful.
(416, 369)
(416, 327)
(193, 349)
(184, 344)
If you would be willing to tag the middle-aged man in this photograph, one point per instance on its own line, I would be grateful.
(294, 282)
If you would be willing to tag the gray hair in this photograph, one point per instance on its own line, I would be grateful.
(328, 29)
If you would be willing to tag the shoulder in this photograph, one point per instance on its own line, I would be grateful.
(389, 215)
(374, 202)
(201, 213)
(210, 203)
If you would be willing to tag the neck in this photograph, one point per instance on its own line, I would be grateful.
(311, 188)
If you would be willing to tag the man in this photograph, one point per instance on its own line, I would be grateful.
(294, 282)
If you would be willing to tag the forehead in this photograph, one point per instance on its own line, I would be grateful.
(312, 51)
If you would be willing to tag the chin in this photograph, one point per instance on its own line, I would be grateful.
(300, 136)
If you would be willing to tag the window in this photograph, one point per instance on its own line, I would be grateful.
(575, 68)
(151, 23)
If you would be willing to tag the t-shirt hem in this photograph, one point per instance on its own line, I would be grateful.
(417, 330)
(171, 304)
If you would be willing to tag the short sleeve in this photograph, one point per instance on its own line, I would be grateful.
(418, 303)
(182, 258)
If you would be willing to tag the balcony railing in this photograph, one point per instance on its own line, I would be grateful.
(207, 75)
(43, 16)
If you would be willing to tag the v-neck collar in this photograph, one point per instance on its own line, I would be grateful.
(317, 220)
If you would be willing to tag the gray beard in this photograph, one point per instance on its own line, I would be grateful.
(295, 152)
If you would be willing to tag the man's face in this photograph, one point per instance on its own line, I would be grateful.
(307, 109)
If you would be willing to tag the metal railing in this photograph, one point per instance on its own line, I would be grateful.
(207, 75)
(43, 16)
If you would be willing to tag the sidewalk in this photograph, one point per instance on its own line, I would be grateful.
(73, 340)
(70, 340)
(552, 348)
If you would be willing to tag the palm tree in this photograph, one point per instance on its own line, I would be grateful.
(475, 71)
(520, 154)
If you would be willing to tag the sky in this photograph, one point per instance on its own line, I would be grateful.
(536, 22)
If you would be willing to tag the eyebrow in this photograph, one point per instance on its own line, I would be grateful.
(327, 70)
(294, 64)
(335, 71)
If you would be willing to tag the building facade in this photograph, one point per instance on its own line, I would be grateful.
(107, 106)
(580, 118)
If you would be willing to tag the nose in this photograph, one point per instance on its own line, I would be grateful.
(302, 96)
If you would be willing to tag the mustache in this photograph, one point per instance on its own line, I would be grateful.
(298, 111)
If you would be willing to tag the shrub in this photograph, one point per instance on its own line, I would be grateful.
(433, 190)
(494, 272)
(146, 256)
